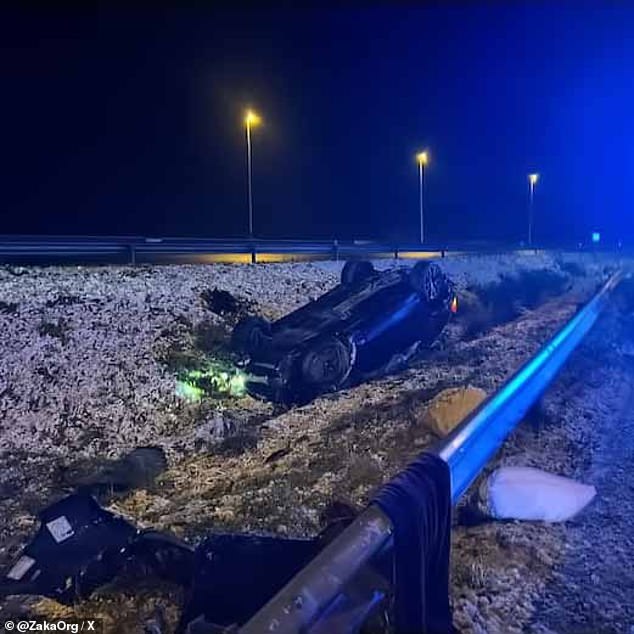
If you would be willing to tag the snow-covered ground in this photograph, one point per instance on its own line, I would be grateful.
(87, 371)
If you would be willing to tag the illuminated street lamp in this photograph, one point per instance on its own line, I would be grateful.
(251, 119)
(532, 180)
(422, 158)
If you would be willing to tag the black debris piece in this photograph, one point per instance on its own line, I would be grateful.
(163, 555)
(63, 300)
(57, 330)
(276, 455)
(235, 575)
(220, 302)
(78, 547)
(136, 470)
(8, 308)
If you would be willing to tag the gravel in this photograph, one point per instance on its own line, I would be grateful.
(592, 587)
(87, 372)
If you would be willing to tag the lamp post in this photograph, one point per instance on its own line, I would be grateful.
(422, 158)
(532, 180)
(251, 119)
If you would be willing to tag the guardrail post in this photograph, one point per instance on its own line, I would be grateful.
(335, 250)
(132, 255)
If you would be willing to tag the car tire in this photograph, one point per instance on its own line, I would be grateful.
(356, 271)
(428, 280)
(251, 335)
(327, 363)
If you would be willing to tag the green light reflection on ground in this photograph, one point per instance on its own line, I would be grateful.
(215, 379)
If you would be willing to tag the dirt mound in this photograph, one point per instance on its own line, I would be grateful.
(486, 306)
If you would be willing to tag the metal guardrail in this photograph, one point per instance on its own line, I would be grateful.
(317, 593)
(148, 250)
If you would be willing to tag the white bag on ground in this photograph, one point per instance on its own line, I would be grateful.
(524, 493)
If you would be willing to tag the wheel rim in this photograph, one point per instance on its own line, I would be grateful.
(431, 284)
(434, 283)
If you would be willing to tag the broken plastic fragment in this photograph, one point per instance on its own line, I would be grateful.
(95, 547)
(525, 493)
(78, 547)
(235, 575)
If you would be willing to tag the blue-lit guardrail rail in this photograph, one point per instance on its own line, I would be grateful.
(318, 599)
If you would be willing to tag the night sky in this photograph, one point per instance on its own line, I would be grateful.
(129, 122)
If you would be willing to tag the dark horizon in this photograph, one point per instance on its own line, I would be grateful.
(120, 121)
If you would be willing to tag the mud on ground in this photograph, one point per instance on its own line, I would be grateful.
(89, 364)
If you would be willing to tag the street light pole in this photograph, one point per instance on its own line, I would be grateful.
(250, 194)
(532, 179)
(423, 159)
(250, 120)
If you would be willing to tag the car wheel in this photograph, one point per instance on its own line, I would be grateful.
(355, 272)
(327, 364)
(428, 280)
(251, 335)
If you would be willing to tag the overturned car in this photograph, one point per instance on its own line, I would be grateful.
(370, 324)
